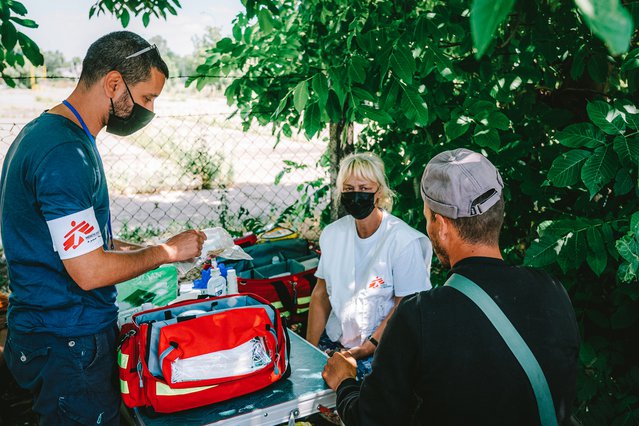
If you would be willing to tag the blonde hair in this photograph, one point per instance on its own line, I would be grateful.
(370, 167)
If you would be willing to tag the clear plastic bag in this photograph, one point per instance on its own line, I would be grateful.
(219, 243)
(243, 359)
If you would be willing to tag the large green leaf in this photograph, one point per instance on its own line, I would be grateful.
(457, 126)
(30, 50)
(29, 23)
(624, 182)
(609, 21)
(361, 94)
(357, 69)
(265, 20)
(320, 88)
(300, 96)
(566, 169)
(9, 35)
(333, 107)
(631, 61)
(597, 256)
(378, 115)
(280, 107)
(18, 7)
(606, 117)
(627, 149)
(634, 222)
(573, 252)
(628, 248)
(543, 252)
(312, 120)
(414, 106)
(485, 17)
(598, 169)
(580, 135)
(498, 120)
(487, 138)
(125, 18)
(403, 64)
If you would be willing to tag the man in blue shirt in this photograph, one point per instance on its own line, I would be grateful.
(63, 262)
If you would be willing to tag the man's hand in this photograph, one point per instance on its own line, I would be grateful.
(339, 367)
(185, 245)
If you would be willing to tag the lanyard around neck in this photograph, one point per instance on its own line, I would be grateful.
(92, 139)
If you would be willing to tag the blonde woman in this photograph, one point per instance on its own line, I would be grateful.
(370, 261)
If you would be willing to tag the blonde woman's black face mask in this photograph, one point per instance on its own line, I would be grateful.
(358, 204)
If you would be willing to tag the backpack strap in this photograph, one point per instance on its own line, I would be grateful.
(515, 343)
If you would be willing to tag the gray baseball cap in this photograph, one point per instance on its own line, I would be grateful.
(460, 183)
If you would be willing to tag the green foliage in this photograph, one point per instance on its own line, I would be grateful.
(202, 164)
(529, 84)
(609, 20)
(123, 9)
(15, 47)
(138, 234)
(485, 17)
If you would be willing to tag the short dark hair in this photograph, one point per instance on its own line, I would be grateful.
(481, 229)
(109, 52)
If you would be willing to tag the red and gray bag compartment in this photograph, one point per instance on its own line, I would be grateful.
(287, 284)
(159, 338)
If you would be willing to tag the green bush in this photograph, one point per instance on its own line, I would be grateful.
(534, 85)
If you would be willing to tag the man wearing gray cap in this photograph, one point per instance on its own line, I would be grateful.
(497, 344)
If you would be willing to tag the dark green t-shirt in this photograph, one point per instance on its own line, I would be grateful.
(53, 174)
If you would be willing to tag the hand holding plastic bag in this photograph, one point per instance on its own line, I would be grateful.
(219, 243)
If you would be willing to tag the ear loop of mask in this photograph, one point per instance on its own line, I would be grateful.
(130, 95)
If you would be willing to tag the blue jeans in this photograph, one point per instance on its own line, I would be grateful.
(364, 365)
(74, 380)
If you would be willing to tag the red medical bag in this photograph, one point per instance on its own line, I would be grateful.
(199, 352)
(282, 272)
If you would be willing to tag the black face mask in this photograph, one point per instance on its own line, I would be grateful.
(359, 204)
(125, 126)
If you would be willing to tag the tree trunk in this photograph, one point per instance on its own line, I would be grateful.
(341, 143)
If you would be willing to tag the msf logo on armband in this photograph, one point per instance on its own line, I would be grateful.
(75, 234)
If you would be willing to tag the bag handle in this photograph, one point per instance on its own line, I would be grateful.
(515, 343)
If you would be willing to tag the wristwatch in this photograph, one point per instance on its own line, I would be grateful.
(373, 340)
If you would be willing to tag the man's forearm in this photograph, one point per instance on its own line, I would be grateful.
(101, 268)
(126, 246)
(104, 268)
(348, 402)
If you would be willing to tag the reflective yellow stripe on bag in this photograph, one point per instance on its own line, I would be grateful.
(123, 360)
(163, 390)
(280, 307)
(303, 300)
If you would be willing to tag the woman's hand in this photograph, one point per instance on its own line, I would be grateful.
(365, 350)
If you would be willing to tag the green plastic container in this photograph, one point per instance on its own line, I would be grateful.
(158, 287)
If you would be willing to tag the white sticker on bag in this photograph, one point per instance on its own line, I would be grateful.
(75, 234)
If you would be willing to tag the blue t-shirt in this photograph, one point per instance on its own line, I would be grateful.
(51, 170)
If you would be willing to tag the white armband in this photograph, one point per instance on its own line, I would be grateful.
(75, 234)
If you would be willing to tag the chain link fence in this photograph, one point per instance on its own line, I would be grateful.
(191, 167)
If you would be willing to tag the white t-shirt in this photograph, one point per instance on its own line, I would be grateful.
(363, 275)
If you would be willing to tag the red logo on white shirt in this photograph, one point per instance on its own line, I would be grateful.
(70, 237)
(376, 283)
